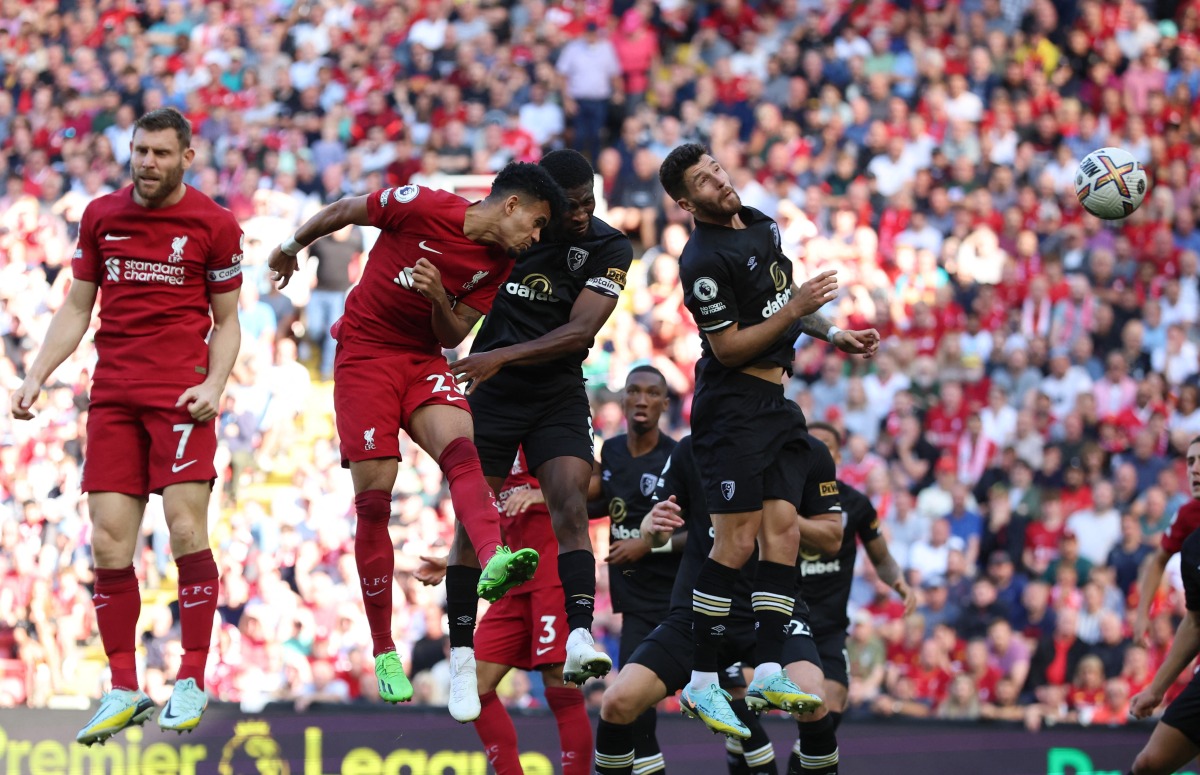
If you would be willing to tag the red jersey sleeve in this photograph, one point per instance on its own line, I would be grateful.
(224, 262)
(1186, 520)
(389, 208)
(85, 264)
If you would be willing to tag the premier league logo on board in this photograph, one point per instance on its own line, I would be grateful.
(576, 258)
(649, 482)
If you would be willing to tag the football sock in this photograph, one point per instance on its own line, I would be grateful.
(647, 757)
(614, 748)
(757, 751)
(816, 752)
(498, 735)
(577, 571)
(474, 502)
(199, 586)
(376, 561)
(710, 607)
(837, 719)
(462, 604)
(118, 602)
(574, 729)
(734, 761)
(773, 603)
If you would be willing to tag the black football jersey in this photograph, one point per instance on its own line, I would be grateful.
(543, 286)
(627, 485)
(826, 582)
(1189, 567)
(681, 479)
(737, 276)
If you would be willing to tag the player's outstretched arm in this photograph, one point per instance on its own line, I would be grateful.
(889, 572)
(342, 213)
(203, 401)
(67, 328)
(588, 315)
(1183, 650)
(734, 346)
(1149, 581)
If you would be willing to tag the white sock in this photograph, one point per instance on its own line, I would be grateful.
(766, 669)
(702, 681)
(460, 654)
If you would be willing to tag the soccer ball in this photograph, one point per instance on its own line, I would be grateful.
(1110, 183)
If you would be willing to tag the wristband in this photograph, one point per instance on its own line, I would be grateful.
(290, 246)
(831, 333)
(666, 548)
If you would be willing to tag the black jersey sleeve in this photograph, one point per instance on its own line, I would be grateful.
(708, 290)
(680, 478)
(821, 493)
(861, 513)
(608, 274)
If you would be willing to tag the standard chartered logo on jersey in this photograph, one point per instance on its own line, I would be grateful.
(251, 749)
(132, 270)
(535, 287)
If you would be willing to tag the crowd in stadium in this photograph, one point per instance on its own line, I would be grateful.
(1020, 433)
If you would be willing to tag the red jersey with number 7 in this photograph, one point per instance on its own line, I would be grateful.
(157, 269)
(417, 222)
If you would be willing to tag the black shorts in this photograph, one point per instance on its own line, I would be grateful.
(799, 645)
(749, 442)
(556, 423)
(635, 626)
(1184, 713)
(667, 652)
(835, 662)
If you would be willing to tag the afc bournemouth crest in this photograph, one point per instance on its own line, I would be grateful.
(649, 482)
(727, 489)
(575, 258)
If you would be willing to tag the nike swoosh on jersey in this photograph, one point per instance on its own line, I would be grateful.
(423, 246)
(376, 592)
(543, 651)
(193, 605)
(176, 468)
(115, 238)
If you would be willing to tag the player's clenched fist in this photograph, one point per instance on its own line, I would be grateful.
(427, 281)
(864, 343)
(202, 401)
(283, 265)
(1144, 703)
(816, 292)
(24, 398)
(431, 571)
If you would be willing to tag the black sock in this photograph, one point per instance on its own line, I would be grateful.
(462, 604)
(773, 602)
(647, 756)
(577, 571)
(757, 750)
(734, 761)
(837, 719)
(710, 606)
(614, 748)
(816, 752)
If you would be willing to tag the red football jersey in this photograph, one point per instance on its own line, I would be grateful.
(531, 530)
(417, 222)
(1186, 520)
(157, 268)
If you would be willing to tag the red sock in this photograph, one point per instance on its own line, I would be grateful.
(199, 585)
(498, 735)
(118, 602)
(474, 502)
(574, 729)
(376, 561)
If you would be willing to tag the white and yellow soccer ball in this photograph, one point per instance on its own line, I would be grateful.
(1110, 183)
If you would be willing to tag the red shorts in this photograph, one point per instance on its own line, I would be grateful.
(374, 398)
(138, 442)
(524, 631)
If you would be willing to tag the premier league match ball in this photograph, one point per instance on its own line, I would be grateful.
(1110, 183)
